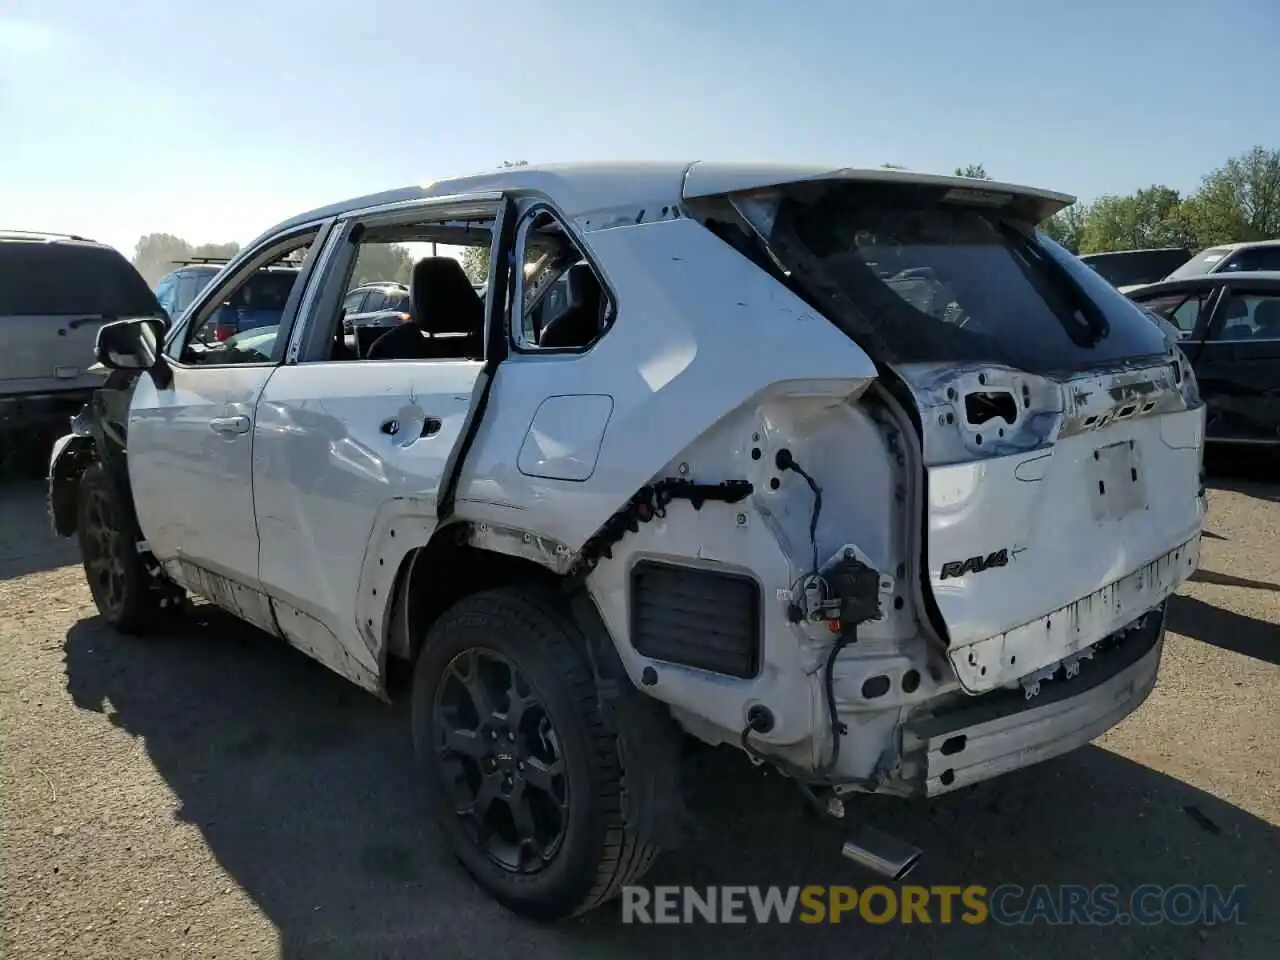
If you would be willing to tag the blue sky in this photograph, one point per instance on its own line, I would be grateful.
(214, 120)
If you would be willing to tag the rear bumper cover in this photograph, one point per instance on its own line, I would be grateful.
(990, 663)
(1004, 731)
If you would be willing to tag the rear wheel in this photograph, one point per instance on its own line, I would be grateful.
(522, 772)
(126, 595)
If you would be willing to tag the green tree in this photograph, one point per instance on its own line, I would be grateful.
(382, 262)
(1067, 225)
(158, 253)
(975, 170)
(475, 263)
(154, 254)
(1239, 201)
(475, 260)
(1151, 217)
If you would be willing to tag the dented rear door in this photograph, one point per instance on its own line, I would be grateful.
(1056, 527)
(1061, 430)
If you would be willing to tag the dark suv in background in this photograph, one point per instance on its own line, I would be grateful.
(176, 290)
(1133, 268)
(56, 290)
(260, 303)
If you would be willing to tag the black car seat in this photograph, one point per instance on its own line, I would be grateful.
(1266, 320)
(579, 324)
(367, 335)
(1235, 320)
(448, 316)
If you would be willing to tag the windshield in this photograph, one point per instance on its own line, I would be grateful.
(68, 279)
(940, 281)
(1203, 262)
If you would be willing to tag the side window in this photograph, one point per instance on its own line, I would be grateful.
(1180, 309)
(242, 322)
(1255, 258)
(447, 320)
(562, 304)
(1247, 316)
(167, 295)
(354, 301)
(189, 287)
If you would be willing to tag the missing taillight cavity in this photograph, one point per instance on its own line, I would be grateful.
(983, 405)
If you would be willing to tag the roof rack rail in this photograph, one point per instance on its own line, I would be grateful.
(193, 260)
(44, 233)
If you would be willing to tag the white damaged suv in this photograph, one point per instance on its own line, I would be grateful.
(852, 469)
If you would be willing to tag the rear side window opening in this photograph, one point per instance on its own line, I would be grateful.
(939, 280)
(70, 279)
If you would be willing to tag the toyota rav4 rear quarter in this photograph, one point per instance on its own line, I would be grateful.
(1060, 429)
(856, 471)
(1012, 450)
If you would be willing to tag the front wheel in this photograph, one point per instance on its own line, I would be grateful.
(524, 775)
(124, 592)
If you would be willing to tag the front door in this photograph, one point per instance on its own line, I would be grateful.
(1238, 367)
(190, 446)
(190, 465)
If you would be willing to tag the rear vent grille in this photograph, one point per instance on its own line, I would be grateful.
(698, 618)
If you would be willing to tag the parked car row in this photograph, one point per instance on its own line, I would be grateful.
(1229, 326)
(1223, 304)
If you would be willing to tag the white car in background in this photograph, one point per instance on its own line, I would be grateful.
(1257, 255)
(853, 470)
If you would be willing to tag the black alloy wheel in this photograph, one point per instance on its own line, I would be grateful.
(501, 759)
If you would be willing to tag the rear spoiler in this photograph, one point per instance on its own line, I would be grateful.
(704, 179)
(190, 261)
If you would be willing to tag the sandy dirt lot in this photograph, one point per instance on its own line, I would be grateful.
(214, 794)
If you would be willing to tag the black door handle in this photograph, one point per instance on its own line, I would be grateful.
(431, 426)
(390, 427)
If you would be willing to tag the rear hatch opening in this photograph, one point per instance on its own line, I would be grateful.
(1060, 431)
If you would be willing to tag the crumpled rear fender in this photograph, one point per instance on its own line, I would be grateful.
(701, 332)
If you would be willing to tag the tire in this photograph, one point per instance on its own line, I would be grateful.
(126, 595)
(562, 767)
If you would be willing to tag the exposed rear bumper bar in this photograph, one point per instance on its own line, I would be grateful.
(1004, 731)
(989, 664)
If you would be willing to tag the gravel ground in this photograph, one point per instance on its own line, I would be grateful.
(214, 793)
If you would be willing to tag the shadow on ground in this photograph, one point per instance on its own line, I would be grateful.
(1227, 580)
(1250, 471)
(1193, 617)
(302, 787)
(26, 545)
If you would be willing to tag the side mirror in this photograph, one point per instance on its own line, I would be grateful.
(130, 344)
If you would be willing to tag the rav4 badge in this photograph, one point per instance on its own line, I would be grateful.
(958, 568)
